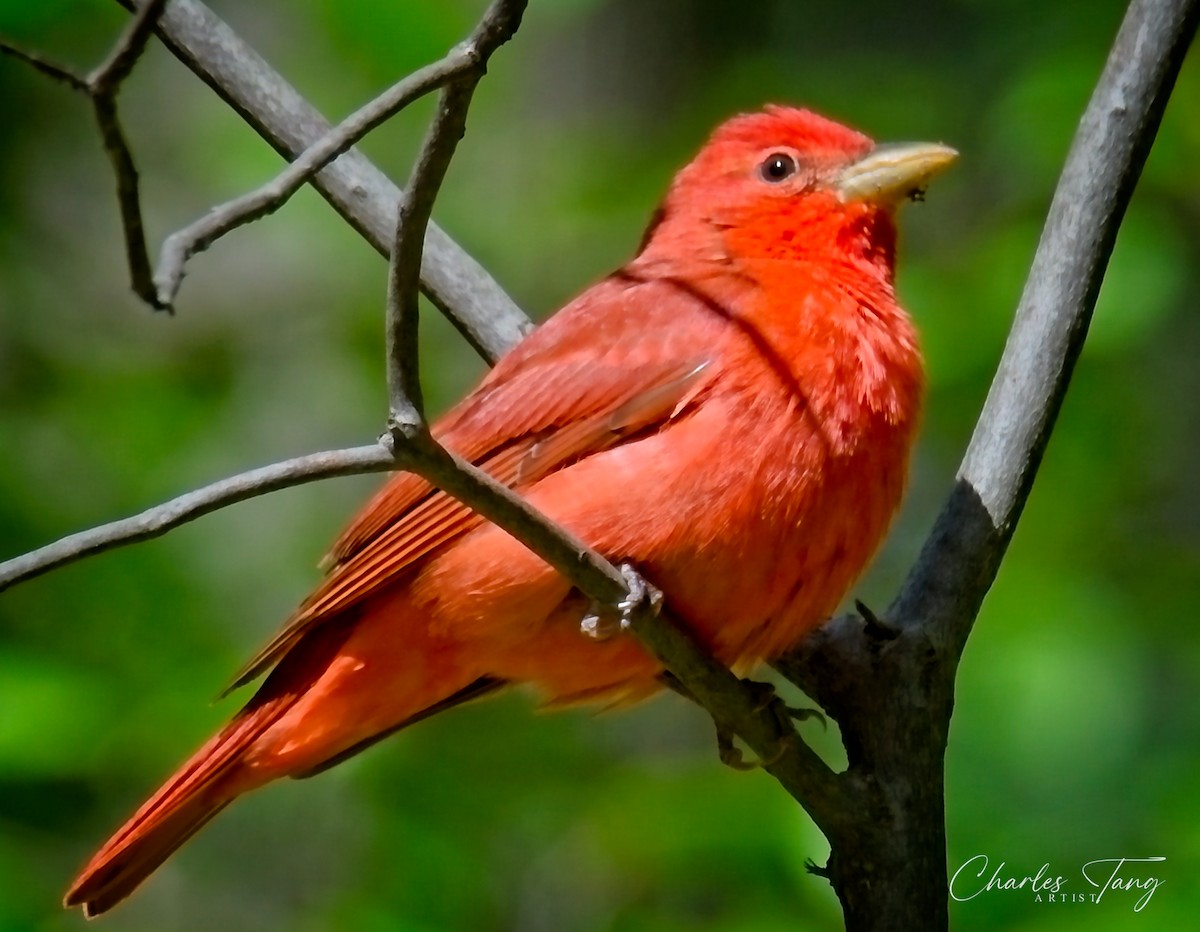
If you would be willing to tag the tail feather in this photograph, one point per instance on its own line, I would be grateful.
(198, 791)
(320, 705)
(205, 784)
(103, 885)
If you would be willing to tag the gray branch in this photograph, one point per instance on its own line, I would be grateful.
(180, 246)
(106, 80)
(499, 24)
(156, 521)
(354, 187)
(1106, 157)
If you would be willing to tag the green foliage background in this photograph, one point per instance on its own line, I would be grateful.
(1076, 730)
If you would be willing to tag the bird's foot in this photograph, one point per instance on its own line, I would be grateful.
(768, 700)
(604, 621)
(731, 755)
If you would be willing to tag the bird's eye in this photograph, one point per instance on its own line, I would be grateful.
(777, 167)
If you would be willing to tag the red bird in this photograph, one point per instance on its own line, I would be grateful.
(731, 413)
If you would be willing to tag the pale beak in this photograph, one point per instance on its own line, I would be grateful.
(890, 173)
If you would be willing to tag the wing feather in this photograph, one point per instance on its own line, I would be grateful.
(552, 401)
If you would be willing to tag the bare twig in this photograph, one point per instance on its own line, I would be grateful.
(198, 236)
(106, 80)
(362, 194)
(406, 410)
(102, 87)
(128, 199)
(104, 84)
(46, 66)
(154, 522)
(499, 23)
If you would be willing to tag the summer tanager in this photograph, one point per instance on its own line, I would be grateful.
(730, 413)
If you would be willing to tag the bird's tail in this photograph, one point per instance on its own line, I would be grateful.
(223, 769)
(204, 785)
(200, 789)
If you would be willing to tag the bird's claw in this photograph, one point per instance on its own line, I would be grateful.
(604, 621)
(768, 699)
(599, 626)
(641, 594)
(807, 715)
(731, 755)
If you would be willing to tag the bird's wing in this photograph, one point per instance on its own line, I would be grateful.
(594, 375)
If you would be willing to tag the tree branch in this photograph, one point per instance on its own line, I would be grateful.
(106, 80)
(406, 409)
(969, 539)
(102, 87)
(46, 66)
(354, 187)
(893, 697)
(180, 246)
(154, 522)
(499, 23)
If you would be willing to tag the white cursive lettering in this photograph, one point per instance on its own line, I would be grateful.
(1117, 882)
(966, 889)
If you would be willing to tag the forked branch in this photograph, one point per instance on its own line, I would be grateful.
(363, 195)
(894, 698)
(180, 246)
(102, 87)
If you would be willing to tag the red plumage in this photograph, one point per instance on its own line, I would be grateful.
(731, 413)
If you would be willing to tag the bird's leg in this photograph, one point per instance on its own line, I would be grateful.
(879, 628)
(603, 621)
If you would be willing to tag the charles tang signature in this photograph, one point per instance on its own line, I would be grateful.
(1131, 880)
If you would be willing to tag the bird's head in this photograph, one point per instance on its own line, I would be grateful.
(786, 183)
